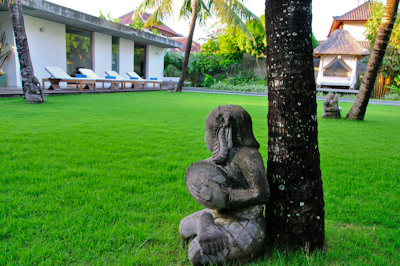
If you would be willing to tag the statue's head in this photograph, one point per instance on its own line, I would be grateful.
(227, 127)
(331, 97)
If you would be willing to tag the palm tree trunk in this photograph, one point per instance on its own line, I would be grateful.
(259, 67)
(295, 213)
(30, 84)
(195, 11)
(357, 111)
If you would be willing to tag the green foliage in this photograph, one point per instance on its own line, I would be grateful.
(221, 51)
(172, 71)
(229, 49)
(76, 188)
(257, 45)
(315, 42)
(109, 17)
(391, 62)
(208, 80)
(5, 51)
(193, 68)
(242, 77)
(172, 64)
(395, 87)
(137, 24)
(227, 86)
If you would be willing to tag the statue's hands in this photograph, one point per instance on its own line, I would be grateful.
(211, 239)
(210, 195)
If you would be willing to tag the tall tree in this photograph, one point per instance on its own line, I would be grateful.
(231, 12)
(357, 111)
(295, 213)
(33, 93)
(195, 11)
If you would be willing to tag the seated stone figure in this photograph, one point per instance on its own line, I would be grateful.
(232, 185)
(331, 107)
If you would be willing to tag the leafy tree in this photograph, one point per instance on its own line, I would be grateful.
(295, 213)
(315, 42)
(391, 62)
(357, 111)
(257, 45)
(229, 11)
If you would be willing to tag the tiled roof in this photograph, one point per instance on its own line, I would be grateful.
(360, 13)
(183, 41)
(341, 43)
(363, 12)
(127, 19)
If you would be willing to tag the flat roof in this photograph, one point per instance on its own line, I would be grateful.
(70, 17)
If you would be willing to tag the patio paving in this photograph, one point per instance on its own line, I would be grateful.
(17, 92)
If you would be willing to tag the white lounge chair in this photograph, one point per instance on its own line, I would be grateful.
(134, 75)
(93, 75)
(58, 75)
(124, 81)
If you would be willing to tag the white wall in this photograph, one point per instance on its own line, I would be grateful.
(356, 29)
(47, 45)
(102, 53)
(125, 56)
(11, 66)
(155, 62)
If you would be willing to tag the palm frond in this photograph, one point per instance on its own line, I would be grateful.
(234, 13)
(162, 10)
(186, 11)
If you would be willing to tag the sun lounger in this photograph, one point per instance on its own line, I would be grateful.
(92, 75)
(58, 75)
(118, 77)
(134, 75)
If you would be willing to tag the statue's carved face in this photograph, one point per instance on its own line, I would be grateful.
(228, 126)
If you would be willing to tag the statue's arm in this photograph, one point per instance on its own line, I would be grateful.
(250, 163)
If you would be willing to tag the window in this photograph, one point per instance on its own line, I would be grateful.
(140, 60)
(337, 69)
(79, 50)
(115, 54)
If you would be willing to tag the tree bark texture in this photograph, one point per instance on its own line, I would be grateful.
(295, 213)
(195, 11)
(30, 84)
(357, 111)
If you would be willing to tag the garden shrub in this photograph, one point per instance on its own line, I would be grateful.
(243, 87)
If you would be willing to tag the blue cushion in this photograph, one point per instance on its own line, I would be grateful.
(134, 78)
(153, 78)
(111, 77)
(80, 76)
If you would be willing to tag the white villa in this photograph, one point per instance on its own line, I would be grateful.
(341, 54)
(69, 39)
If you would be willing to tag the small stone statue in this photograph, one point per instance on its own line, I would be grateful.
(331, 107)
(232, 185)
(32, 91)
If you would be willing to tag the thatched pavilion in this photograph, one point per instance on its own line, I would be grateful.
(339, 55)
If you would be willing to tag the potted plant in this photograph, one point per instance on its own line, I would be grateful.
(5, 52)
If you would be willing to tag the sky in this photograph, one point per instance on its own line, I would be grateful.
(323, 11)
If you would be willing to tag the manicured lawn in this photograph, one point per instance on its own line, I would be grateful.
(99, 179)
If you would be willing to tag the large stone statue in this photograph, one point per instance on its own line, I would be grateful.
(232, 185)
(331, 107)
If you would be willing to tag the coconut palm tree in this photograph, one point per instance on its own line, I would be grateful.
(295, 213)
(30, 84)
(231, 12)
(357, 111)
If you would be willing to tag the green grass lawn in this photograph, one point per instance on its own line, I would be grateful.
(99, 179)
